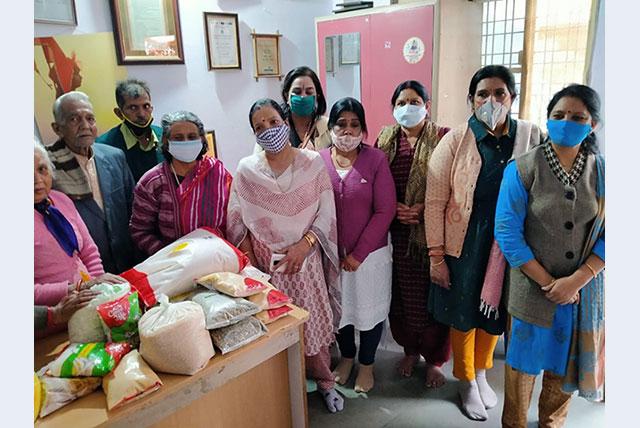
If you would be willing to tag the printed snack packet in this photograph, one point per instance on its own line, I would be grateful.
(88, 359)
(120, 318)
(232, 284)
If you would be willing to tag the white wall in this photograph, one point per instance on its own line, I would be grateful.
(220, 98)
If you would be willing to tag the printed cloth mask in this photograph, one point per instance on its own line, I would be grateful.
(409, 115)
(491, 113)
(346, 143)
(185, 151)
(567, 133)
(274, 139)
(303, 106)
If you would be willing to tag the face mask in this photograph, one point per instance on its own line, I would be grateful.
(346, 143)
(491, 113)
(136, 126)
(185, 151)
(303, 106)
(273, 140)
(567, 133)
(409, 115)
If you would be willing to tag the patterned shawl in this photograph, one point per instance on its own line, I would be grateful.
(585, 370)
(203, 196)
(279, 211)
(387, 141)
(70, 178)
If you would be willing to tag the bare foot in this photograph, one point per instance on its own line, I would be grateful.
(364, 380)
(435, 377)
(406, 364)
(343, 370)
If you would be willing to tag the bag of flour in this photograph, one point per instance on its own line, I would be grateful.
(232, 284)
(173, 337)
(221, 311)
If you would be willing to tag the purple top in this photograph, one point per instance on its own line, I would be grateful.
(365, 202)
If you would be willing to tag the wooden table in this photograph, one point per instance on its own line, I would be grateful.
(259, 385)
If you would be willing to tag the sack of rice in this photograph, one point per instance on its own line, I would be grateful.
(85, 325)
(221, 310)
(173, 270)
(173, 337)
(131, 380)
(88, 359)
(57, 392)
(269, 298)
(232, 284)
(235, 336)
(270, 315)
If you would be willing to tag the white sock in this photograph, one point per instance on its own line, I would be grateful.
(488, 396)
(472, 404)
(333, 400)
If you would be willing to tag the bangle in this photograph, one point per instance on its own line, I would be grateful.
(436, 253)
(309, 241)
(553, 281)
(439, 263)
(593, 271)
(50, 320)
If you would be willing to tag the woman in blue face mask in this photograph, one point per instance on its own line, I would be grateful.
(188, 190)
(466, 268)
(282, 214)
(304, 106)
(408, 145)
(550, 227)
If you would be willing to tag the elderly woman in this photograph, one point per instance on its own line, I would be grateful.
(187, 191)
(282, 214)
(408, 145)
(464, 178)
(365, 206)
(550, 227)
(65, 257)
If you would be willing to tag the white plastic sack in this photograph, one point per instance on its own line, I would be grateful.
(85, 325)
(173, 337)
(173, 270)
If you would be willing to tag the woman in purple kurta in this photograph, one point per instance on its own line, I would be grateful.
(365, 206)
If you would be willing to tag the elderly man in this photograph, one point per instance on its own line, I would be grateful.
(135, 136)
(96, 177)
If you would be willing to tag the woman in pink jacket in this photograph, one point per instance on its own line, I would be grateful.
(65, 257)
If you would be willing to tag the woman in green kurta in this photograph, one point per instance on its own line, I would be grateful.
(464, 176)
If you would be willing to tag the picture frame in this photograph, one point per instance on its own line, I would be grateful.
(212, 149)
(147, 32)
(328, 55)
(266, 55)
(349, 48)
(223, 40)
(61, 12)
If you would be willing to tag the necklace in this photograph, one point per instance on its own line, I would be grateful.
(174, 174)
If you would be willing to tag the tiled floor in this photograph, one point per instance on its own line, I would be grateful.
(396, 402)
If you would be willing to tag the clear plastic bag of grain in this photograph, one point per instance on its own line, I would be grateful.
(174, 339)
(235, 336)
(221, 310)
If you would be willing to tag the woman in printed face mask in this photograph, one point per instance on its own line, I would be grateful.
(365, 206)
(550, 226)
(187, 191)
(408, 146)
(466, 266)
(283, 216)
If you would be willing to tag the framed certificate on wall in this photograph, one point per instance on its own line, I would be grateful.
(55, 12)
(147, 31)
(223, 40)
(266, 54)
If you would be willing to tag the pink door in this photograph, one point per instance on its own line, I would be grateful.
(394, 46)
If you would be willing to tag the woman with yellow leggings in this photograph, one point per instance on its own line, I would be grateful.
(463, 177)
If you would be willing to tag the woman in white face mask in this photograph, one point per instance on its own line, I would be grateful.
(188, 190)
(283, 216)
(365, 206)
(408, 146)
(466, 266)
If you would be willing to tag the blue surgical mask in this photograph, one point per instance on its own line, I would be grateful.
(409, 115)
(185, 151)
(567, 133)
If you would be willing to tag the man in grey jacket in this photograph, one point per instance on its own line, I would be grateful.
(96, 177)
